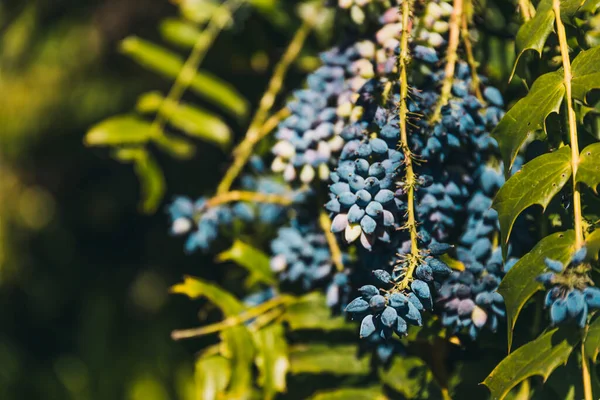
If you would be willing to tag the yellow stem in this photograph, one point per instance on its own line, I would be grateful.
(255, 197)
(470, 58)
(218, 21)
(253, 135)
(411, 223)
(564, 51)
(587, 380)
(451, 56)
(334, 248)
(526, 11)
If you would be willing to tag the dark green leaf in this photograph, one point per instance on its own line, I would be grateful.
(590, 6)
(588, 171)
(586, 74)
(538, 357)
(169, 64)
(150, 175)
(529, 115)
(311, 312)
(412, 378)
(271, 359)
(519, 284)
(537, 183)
(592, 242)
(118, 130)
(250, 258)
(327, 359)
(370, 393)
(592, 340)
(212, 375)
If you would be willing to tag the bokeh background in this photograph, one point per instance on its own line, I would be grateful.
(84, 275)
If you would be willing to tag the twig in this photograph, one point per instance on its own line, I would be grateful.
(451, 56)
(255, 197)
(334, 248)
(243, 151)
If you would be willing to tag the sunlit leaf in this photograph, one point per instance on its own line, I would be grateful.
(369, 393)
(212, 375)
(192, 120)
(118, 130)
(538, 357)
(179, 32)
(327, 359)
(592, 340)
(588, 171)
(519, 284)
(536, 183)
(250, 258)
(196, 288)
(585, 73)
(271, 359)
(169, 64)
(150, 175)
(529, 115)
(311, 312)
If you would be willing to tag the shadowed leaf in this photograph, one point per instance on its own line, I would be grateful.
(519, 284)
(588, 171)
(370, 393)
(311, 312)
(255, 261)
(327, 359)
(592, 340)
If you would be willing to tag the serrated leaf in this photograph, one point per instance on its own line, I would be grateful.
(533, 34)
(592, 340)
(528, 115)
(592, 242)
(536, 183)
(152, 180)
(271, 359)
(588, 171)
(212, 375)
(255, 261)
(236, 343)
(370, 393)
(191, 120)
(538, 357)
(169, 65)
(327, 359)
(519, 284)
(118, 130)
(585, 73)
(179, 32)
(411, 377)
(310, 312)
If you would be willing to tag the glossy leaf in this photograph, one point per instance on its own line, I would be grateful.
(585, 73)
(529, 115)
(212, 374)
(588, 171)
(310, 312)
(592, 340)
(369, 393)
(150, 175)
(536, 183)
(519, 284)
(255, 261)
(169, 64)
(327, 359)
(271, 359)
(538, 357)
(191, 120)
(118, 130)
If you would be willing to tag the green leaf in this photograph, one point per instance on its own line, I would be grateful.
(369, 393)
(150, 175)
(538, 357)
(588, 171)
(255, 261)
(179, 32)
(237, 342)
(412, 378)
(310, 312)
(271, 359)
(537, 183)
(327, 359)
(592, 340)
(590, 6)
(519, 284)
(118, 130)
(592, 242)
(585, 73)
(169, 64)
(529, 115)
(212, 375)
(192, 120)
